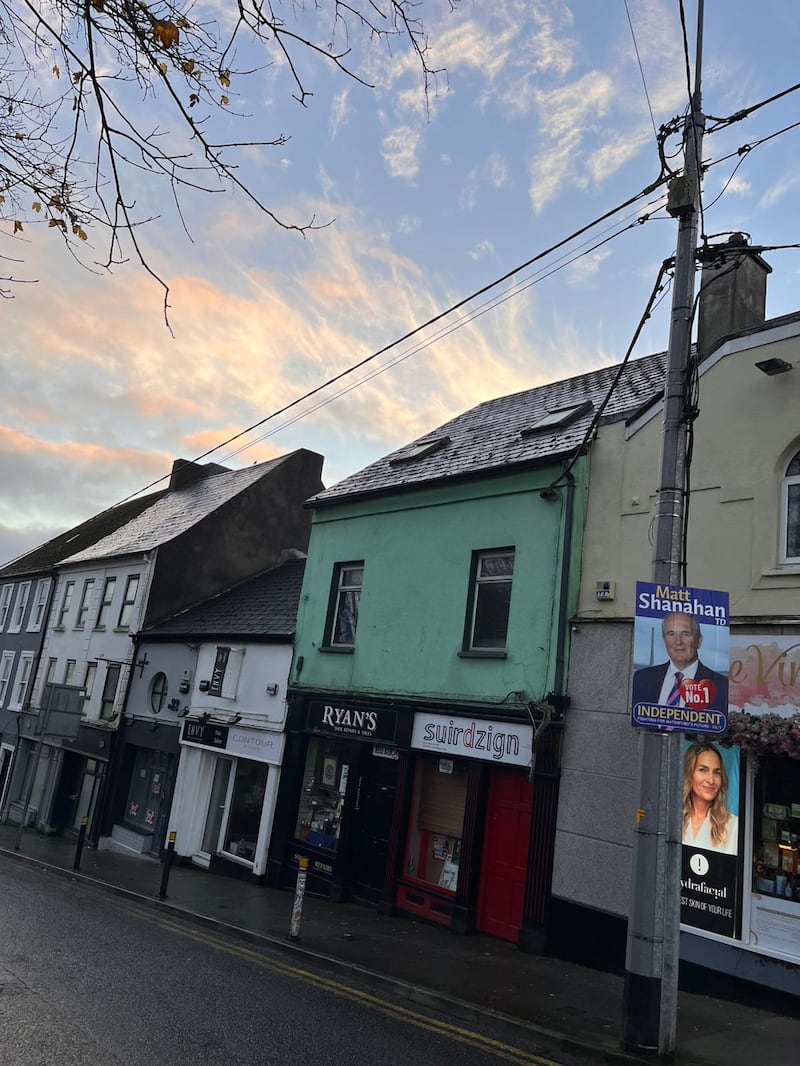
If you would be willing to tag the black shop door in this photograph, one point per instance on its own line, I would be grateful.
(372, 822)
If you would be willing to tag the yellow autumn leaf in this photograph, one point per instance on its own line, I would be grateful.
(53, 222)
(57, 72)
(165, 33)
(225, 79)
(182, 23)
(77, 76)
(163, 68)
(224, 101)
(98, 5)
(18, 227)
(37, 207)
(79, 232)
(188, 66)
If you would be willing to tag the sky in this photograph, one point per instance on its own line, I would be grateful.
(539, 125)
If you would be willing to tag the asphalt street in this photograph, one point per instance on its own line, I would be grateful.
(88, 978)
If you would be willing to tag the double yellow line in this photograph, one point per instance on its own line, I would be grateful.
(364, 999)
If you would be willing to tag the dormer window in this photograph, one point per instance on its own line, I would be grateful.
(420, 450)
(557, 417)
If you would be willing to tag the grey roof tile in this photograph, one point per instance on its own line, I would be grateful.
(488, 438)
(79, 537)
(173, 513)
(263, 606)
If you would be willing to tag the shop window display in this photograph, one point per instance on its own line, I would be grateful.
(319, 817)
(436, 826)
(776, 828)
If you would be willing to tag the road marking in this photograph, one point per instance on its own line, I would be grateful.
(365, 999)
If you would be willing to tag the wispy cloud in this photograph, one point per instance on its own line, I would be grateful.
(339, 112)
(399, 151)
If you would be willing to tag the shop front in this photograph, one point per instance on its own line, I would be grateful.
(225, 793)
(745, 916)
(338, 796)
(468, 827)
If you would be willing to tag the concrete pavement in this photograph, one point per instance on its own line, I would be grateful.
(471, 976)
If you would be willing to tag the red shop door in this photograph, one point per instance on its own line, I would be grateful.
(505, 854)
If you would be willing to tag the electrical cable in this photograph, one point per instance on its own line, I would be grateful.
(721, 123)
(444, 331)
(694, 106)
(641, 71)
(616, 380)
(661, 180)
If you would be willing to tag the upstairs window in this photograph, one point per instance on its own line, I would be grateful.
(126, 611)
(105, 603)
(39, 604)
(20, 604)
(348, 578)
(487, 624)
(6, 666)
(109, 690)
(66, 600)
(86, 596)
(790, 512)
(21, 680)
(5, 604)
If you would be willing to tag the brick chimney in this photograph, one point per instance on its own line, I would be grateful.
(184, 472)
(733, 293)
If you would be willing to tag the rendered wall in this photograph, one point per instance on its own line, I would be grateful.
(417, 551)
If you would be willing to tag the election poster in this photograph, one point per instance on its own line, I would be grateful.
(680, 659)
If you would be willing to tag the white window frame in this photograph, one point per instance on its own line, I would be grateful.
(340, 591)
(480, 581)
(83, 608)
(105, 603)
(6, 595)
(89, 680)
(128, 602)
(787, 482)
(6, 668)
(20, 603)
(22, 679)
(38, 606)
(104, 697)
(66, 603)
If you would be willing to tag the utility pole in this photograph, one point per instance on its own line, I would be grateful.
(651, 968)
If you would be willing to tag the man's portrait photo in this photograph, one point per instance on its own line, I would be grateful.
(661, 684)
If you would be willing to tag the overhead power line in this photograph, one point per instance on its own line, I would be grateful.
(641, 70)
(661, 180)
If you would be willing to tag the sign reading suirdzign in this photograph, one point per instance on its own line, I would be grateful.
(474, 738)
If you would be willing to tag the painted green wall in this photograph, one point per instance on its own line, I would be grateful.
(417, 550)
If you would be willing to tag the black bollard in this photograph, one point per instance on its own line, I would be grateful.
(79, 846)
(167, 866)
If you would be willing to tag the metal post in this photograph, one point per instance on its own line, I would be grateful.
(297, 906)
(651, 978)
(79, 847)
(169, 855)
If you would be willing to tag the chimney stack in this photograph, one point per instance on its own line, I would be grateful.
(733, 293)
(184, 472)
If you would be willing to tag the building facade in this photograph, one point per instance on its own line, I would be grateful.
(743, 522)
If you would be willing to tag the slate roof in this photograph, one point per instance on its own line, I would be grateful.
(488, 438)
(262, 607)
(174, 512)
(79, 537)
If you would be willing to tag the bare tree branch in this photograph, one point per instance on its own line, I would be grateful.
(74, 145)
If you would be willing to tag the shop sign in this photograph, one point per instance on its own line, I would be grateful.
(206, 733)
(352, 720)
(711, 853)
(218, 673)
(680, 658)
(765, 674)
(256, 744)
(505, 742)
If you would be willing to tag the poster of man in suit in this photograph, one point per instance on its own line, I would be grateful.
(680, 658)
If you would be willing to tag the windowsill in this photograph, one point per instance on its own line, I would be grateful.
(336, 650)
(99, 629)
(121, 629)
(58, 629)
(484, 653)
(784, 569)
